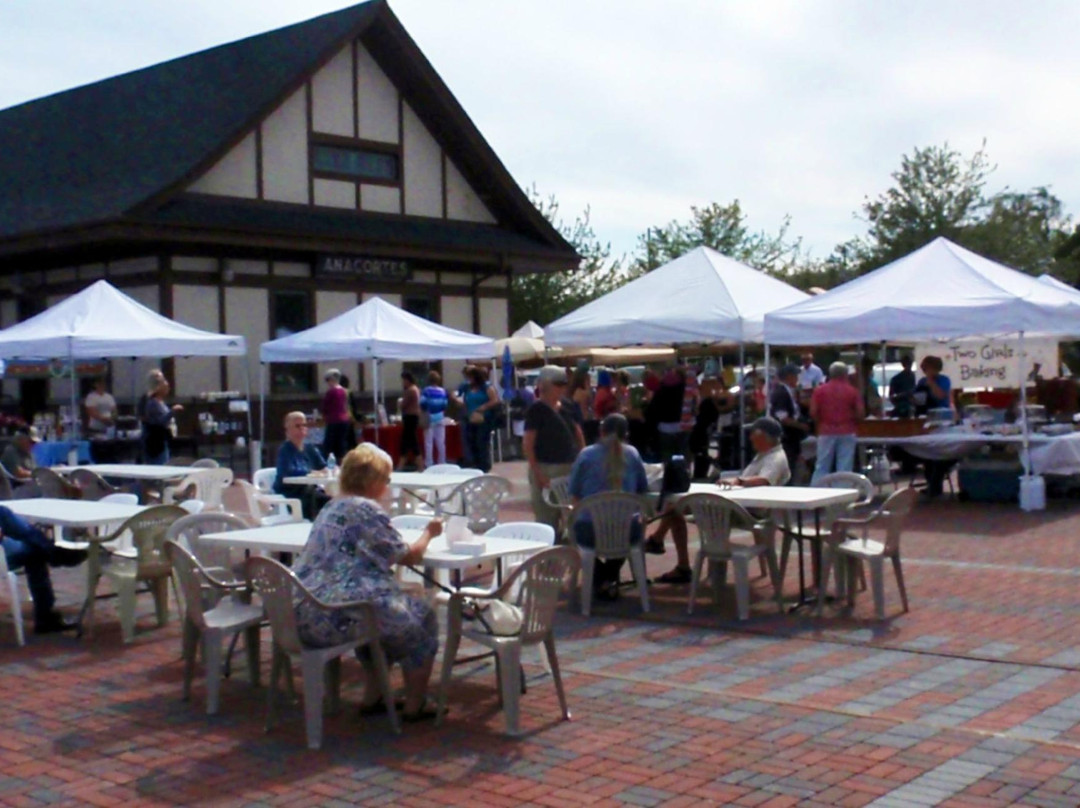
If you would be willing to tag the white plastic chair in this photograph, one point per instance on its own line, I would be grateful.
(557, 495)
(206, 463)
(264, 479)
(12, 580)
(193, 505)
(478, 500)
(857, 548)
(612, 514)
(125, 571)
(230, 613)
(538, 582)
(715, 517)
(281, 591)
(214, 559)
(416, 521)
(405, 502)
(243, 499)
(543, 535)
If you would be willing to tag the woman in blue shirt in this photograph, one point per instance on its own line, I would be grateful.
(479, 398)
(297, 459)
(608, 465)
(936, 388)
(433, 403)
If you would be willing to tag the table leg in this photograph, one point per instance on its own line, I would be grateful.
(802, 573)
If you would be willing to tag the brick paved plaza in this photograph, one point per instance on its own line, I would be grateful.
(972, 699)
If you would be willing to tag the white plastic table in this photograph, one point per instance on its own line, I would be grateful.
(62, 513)
(134, 471)
(423, 481)
(293, 537)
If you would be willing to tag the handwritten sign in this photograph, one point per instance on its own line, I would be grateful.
(974, 363)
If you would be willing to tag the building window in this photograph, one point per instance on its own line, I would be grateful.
(421, 306)
(290, 313)
(355, 162)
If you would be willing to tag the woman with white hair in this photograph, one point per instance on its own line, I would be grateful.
(350, 556)
(836, 407)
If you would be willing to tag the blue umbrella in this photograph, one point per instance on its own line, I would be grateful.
(508, 374)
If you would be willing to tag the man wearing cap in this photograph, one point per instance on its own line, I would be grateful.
(784, 406)
(18, 457)
(769, 467)
(552, 440)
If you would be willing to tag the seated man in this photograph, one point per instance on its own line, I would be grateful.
(769, 467)
(18, 457)
(27, 548)
(297, 459)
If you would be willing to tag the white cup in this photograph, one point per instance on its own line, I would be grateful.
(457, 529)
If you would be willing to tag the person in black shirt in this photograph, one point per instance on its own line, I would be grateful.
(784, 405)
(552, 440)
(902, 389)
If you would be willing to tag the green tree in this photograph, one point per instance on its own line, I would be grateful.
(547, 296)
(724, 228)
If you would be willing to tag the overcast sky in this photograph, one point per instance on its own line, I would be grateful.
(642, 109)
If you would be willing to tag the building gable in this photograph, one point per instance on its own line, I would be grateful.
(349, 103)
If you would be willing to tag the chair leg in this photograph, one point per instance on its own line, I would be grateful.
(900, 580)
(382, 671)
(588, 567)
(742, 586)
(509, 657)
(828, 561)
(637, 564)
(450, 648)
(312, 670)
(695, 576)
(785, 553)
(189, 646)
(763, 566)
(774, 575)
(556, 675)
(125, 605)
(276, 660)
(251, 645)
(212, 660)
(16, 608)
(717, 579)
(160, 589)
(849, 570)
(877, 583)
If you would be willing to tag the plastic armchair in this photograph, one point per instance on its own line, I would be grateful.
(281, 592)
(537, 582)
(92, 485)
(437, 498)
(230, 614)
(612, 515)
(715, 518)
(206, 463)
(557, 495)
(243, 499)
(851, 542)
(543, 535)
(53, 486)
(214, 559)
(478, 500)
(125, 570)
(264, 479)
(11, 583)
(823, 528)
(206, 484)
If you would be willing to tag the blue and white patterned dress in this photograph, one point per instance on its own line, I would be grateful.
(350, 556)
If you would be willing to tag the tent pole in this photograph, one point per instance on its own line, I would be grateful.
(74, 405)
(884, 378)
(375, 393)
(768, 383)
(247, 392)
(262, 408)
(1025, 452)
(742, 406)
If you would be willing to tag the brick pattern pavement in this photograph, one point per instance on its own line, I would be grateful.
(972, 699)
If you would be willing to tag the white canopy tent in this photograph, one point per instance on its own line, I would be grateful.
(374, 330)
(940, 291)
(526, 344)
(700, 297)
(101, 322)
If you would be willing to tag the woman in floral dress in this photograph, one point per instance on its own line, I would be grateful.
(350, 556)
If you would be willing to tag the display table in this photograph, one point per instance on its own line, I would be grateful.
(390, 441)
(55, 452)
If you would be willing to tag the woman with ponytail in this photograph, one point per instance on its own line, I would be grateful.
(608, 465)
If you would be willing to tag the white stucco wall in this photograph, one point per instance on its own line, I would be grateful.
(246, 313)
(329, 305)
(380, 199)
(197, 306)
(127, 374)
(377, 98)
(233, 175)
(422, 168)
(494, 317)
(335, 194)
(462, 202)
(285, 153)
(332, 96)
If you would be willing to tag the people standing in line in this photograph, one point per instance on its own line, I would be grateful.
(338, 433)
(667, 407)
(934, 391)
(836, 407)
(610, 464)
(153, 379)
(810, 375)
(433, 403)
(690, 402)
(902, 389)
(409, 450)
(604, 402)
(158, 420)
(479, 399)
(100, 409)
(784, 404)
(552, 440)
(298, 458)
(580, 396)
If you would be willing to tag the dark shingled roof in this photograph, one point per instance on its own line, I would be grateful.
(115, 149)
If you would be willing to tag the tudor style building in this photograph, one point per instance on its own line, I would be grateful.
(263, 186)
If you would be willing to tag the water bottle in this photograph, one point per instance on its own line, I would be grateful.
(331, 465)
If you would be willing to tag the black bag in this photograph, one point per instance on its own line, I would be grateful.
(676, 478)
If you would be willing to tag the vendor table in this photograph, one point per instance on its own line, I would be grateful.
(54, 452)
(390, 440)
(135, 471)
